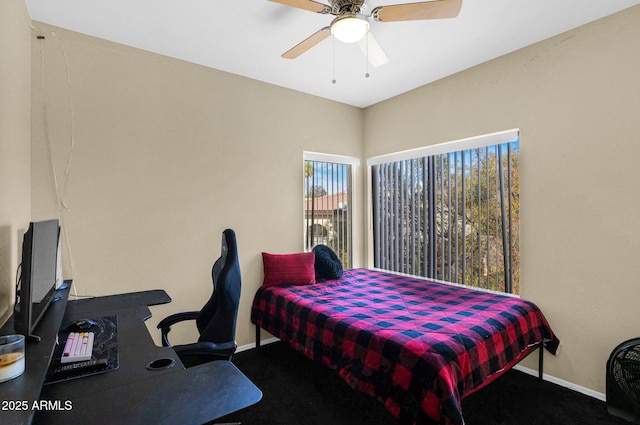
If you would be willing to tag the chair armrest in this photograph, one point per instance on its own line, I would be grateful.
(166, 323)
(221, 350)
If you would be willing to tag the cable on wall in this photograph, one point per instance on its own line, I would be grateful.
(72, 140)
(61, 204)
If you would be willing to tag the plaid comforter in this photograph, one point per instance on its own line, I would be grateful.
(416, 345)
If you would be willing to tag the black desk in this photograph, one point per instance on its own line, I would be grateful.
(132, 394)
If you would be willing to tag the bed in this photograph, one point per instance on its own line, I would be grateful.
(416, 345)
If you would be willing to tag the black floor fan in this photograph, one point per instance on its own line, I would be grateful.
(623, 381)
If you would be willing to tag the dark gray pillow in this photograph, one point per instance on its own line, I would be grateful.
(328, 265)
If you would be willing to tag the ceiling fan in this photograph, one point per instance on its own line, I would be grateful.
(351, 24)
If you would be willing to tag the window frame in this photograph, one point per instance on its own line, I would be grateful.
(355, 210)
(492, 139)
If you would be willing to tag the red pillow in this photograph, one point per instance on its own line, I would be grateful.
(289, 269)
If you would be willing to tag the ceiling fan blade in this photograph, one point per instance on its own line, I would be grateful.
(372, 49)
(305, 45)
(416, 11)
(309, 5)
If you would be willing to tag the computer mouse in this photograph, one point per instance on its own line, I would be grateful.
(81, 325)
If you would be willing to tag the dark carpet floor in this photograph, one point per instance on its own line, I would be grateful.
(298, 391)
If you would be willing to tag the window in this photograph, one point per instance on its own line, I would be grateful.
(327, 204)
(451, 212)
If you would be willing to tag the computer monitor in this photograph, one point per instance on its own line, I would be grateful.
(37, 281)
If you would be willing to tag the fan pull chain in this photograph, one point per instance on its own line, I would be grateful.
(367, 58)
(334, 60)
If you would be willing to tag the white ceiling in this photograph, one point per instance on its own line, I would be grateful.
(247, 37)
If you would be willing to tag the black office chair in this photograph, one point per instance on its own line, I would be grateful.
(216, 322)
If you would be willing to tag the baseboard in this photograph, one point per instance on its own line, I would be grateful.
(253, 344)
(563, 383)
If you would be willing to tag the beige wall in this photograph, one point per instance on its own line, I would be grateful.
(15, 138)
(166, 154)
(575, 99)
(155, 157)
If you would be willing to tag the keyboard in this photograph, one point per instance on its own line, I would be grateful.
(78, 348)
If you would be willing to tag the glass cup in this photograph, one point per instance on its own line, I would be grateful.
(11, 357)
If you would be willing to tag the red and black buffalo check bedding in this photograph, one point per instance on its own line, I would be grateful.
(416, 345)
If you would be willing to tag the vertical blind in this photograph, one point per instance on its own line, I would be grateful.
(328, 207)
(452, 216)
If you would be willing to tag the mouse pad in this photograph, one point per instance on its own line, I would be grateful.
(105, 346)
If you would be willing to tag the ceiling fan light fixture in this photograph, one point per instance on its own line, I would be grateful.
(349, 28)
